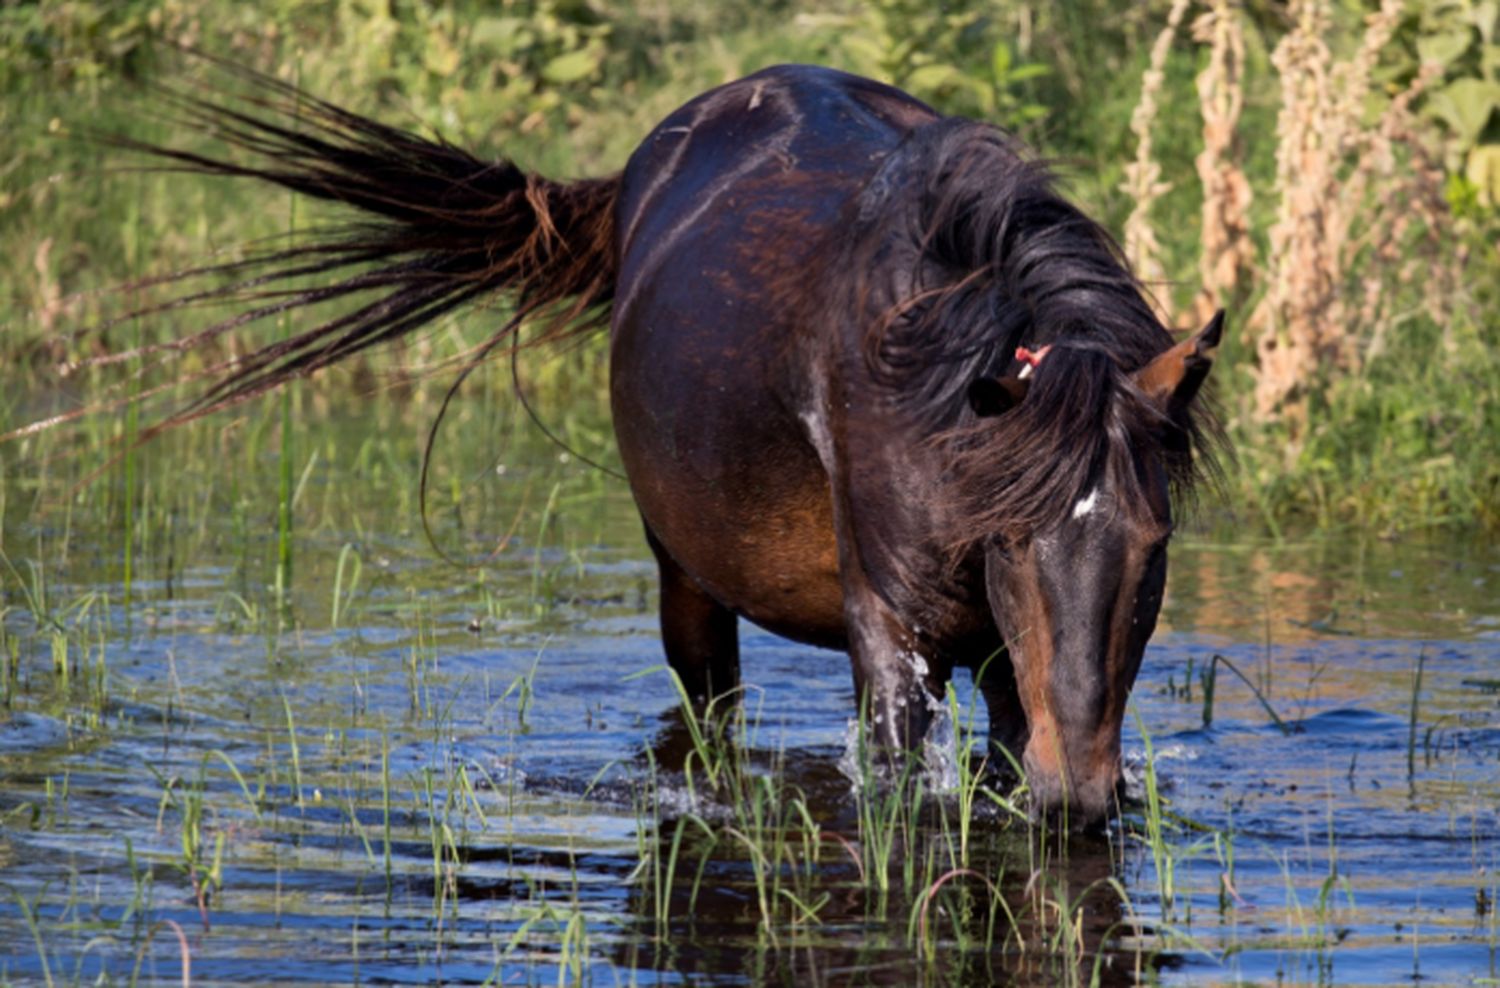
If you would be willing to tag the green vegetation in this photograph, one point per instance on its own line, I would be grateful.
(1364, 393)
(328, 757)
(1398, 429)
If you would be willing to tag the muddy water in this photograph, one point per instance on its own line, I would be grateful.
(455, 781)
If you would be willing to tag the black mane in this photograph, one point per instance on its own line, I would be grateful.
(963, 251)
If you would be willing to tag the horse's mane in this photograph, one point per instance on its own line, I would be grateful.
(962, 251)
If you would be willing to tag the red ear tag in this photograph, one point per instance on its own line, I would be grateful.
(1031, 358)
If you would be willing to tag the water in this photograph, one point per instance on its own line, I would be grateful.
(474, 775)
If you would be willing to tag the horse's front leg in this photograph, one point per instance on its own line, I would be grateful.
(995, 679)
(896, 684)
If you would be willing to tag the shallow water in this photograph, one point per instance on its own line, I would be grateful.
(456, 782)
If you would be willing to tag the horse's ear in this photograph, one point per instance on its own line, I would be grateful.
(990, 396)
(1172, 380)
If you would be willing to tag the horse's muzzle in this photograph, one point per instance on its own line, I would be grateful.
(1082, 801)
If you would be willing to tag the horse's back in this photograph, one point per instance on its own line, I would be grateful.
(799, 135)
(723, 211)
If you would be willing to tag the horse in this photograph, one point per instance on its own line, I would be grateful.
(877, 386)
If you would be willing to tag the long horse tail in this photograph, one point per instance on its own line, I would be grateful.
(436, 228)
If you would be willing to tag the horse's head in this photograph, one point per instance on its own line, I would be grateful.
(1077, 598)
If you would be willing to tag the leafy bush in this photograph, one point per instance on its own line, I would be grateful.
(1401, 434)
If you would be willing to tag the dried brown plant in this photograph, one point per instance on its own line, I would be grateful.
(1406, 236)
(1143, 175)
(1227, 253)
(1356, 197)
(1297, 319)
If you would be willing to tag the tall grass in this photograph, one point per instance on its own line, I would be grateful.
(1357, 293)
(1226, 250)
(1351, 256)
(1400, 425)
(1143, 183)
(940, 875)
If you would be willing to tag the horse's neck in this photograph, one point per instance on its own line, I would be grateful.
(890, 480)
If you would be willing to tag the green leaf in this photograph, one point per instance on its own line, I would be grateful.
(867, 56)
(1465, 106)
(932, 77)
(503, 35)
(1444, 48)
(1487, 17)
(1000, 63)
(1489, 61)
(571, 67)
(1483, 171)
(1031, 70)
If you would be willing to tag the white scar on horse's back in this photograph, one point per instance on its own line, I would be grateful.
(1085, 505)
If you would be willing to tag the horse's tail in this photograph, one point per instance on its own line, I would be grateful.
(437, 228)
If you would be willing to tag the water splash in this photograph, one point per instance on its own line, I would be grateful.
(940, 751)
(850, 763)
(940, 771)
(1133, 768)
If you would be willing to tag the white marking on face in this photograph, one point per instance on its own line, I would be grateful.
(1085, 505)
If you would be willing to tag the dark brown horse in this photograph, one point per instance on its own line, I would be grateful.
(817, 290)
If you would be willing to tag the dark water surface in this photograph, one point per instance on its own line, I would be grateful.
(452, 782)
